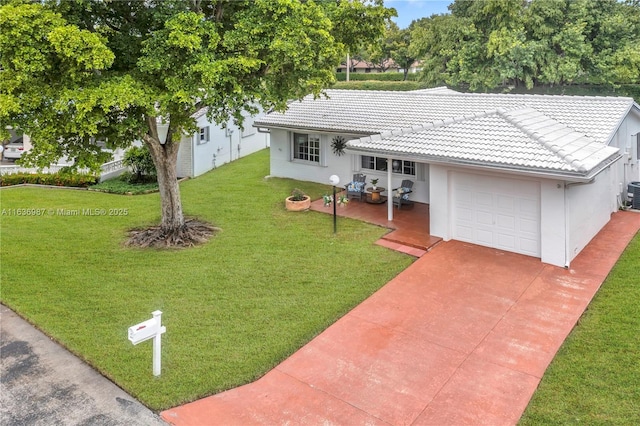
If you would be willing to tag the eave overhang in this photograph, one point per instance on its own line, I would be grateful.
(569, 176)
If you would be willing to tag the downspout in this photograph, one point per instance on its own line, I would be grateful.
(567, 228)
(389, 193)
(230, 145)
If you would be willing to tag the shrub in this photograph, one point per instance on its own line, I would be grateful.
(298, 195)
(381, 85)
(123, 185)
(138, 158)
(382, 76)
(57, 179)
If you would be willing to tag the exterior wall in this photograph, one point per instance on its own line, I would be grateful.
(439, 207)
(553, 230)
(628, 168)
(589, 209)
(283, 165)
(222, 146)
(184, 165)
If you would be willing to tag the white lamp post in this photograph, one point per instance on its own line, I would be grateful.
(334, 180)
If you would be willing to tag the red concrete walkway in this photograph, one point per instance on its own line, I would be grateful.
(462, 336)
(409, 230)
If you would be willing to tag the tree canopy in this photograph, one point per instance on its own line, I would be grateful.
(79, 71)
(484, 44)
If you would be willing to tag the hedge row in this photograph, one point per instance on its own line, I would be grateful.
(380, 85)
(376, 76)
(57, 179)
(629, 90)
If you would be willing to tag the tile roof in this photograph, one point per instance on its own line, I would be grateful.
(199, 113)
(566, 134)
(522, 138)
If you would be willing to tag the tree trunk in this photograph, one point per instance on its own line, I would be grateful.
(165, 157)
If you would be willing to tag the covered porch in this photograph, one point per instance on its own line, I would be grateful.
(408, 232)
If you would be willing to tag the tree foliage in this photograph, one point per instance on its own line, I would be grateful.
(74, 72)
(139, 161)
(488, 43)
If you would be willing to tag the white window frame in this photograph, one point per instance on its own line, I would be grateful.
(378, 161)
(203, 135)
(311, 138)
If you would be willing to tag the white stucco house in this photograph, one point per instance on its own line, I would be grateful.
(212, 145)
(538, 175)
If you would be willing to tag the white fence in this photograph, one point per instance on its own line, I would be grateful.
(107, 170)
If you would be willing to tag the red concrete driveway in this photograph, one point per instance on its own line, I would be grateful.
(462, 336)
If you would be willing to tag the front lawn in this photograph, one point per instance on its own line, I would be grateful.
(234, 308)
(595, 377)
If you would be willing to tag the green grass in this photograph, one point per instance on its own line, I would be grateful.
(234, 308)
(595, 377)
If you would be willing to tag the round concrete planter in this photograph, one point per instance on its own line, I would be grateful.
(298, 206)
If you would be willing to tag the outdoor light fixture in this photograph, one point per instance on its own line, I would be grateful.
(334, 180)
(163, 130)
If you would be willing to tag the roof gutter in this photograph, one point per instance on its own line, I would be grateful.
(541, 173)
(262, 126)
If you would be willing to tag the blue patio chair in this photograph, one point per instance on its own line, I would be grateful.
(402, 193)
(356, 188)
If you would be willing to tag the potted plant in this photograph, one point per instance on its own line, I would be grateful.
(297, 201)
(374, 183)
(341, 200)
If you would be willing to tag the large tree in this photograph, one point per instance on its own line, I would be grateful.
(79, 71)
(484, 44)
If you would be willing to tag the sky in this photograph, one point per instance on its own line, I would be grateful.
(410, 10)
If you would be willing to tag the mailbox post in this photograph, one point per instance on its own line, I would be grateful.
(150, 329)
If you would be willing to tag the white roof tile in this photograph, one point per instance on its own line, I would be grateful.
(554, 133)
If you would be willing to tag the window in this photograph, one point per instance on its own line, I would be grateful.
(204, 135)
(380, 164)
(306, 147)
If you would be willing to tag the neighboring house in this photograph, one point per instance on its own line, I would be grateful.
(415, 67)
(20, 143)
(16, 145)
(212, 146)
(532, 174)
(361, 66)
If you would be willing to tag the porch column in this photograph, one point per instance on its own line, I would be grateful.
(389, 191)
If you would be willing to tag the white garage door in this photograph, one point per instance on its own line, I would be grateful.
(497, 212)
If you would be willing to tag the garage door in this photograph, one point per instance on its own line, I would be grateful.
(497, 212)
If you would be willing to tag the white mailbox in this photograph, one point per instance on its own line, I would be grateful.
(144, 331)
(150, 329)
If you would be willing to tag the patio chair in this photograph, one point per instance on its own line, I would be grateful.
(402, 193)
(356, 188)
